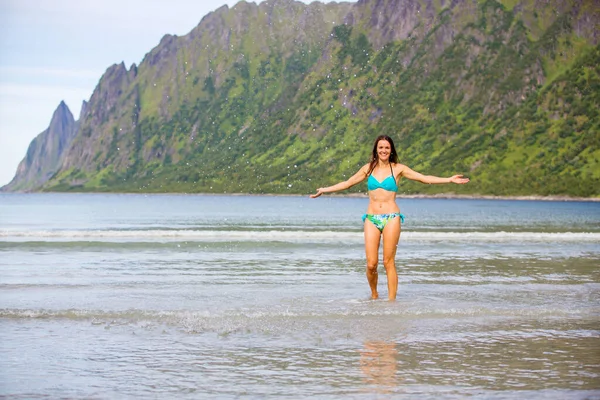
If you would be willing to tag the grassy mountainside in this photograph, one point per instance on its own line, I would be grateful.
(284, 97)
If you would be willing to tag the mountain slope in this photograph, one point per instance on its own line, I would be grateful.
(191, 92)
(282, 97)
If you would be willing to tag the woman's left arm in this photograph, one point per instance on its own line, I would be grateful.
(417, 176)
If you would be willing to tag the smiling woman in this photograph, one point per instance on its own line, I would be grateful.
(383, 217)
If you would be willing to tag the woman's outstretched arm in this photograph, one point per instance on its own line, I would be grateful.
(353, 180)
(416, 176)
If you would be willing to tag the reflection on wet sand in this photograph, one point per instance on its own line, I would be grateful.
(495, 359)
(379, 364)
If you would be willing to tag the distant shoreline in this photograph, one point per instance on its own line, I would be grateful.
(449, 196)
(490, 197)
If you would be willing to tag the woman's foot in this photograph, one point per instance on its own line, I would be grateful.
(374, 295)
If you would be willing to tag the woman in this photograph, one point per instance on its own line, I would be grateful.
(383, 215)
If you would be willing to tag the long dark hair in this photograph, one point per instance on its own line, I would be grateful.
(375, 157)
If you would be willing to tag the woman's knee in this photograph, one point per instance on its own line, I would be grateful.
(389, 262)
(372, 265)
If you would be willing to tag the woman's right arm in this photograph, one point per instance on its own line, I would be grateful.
(353, 180)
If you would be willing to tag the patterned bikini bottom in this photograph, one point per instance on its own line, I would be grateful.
(381, 220)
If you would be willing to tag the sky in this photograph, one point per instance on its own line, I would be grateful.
(53, 51)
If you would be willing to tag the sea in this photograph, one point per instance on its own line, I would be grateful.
(128, 296)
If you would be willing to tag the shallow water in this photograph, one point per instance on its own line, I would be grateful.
(117, 296)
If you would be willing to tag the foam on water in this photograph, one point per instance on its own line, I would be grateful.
(348, 310)
(288, 236)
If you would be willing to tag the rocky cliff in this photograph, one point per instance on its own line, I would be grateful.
(45, 151)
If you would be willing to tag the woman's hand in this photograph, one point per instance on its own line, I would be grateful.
(319, 192)
(458, 179)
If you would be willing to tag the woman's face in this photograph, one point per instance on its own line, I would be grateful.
(384, 149)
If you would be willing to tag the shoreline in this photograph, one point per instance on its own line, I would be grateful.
(449, 196)
(492, 197)
(452, 196)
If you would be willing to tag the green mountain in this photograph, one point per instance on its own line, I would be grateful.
(284, 97)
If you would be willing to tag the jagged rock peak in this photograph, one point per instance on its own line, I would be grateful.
(61, 111)
(133, 70)
(44, 152)
(167, 45)
(217, 14)
(117, 72)
(166, 39)
(61, 118)
(84, 107)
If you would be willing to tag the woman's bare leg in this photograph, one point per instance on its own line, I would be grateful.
(391, 236)
(372, 237)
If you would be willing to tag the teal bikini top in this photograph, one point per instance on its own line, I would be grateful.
(388, 183)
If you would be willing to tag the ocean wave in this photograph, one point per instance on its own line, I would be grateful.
(348, 310)
(330, 322)
(287, 236)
